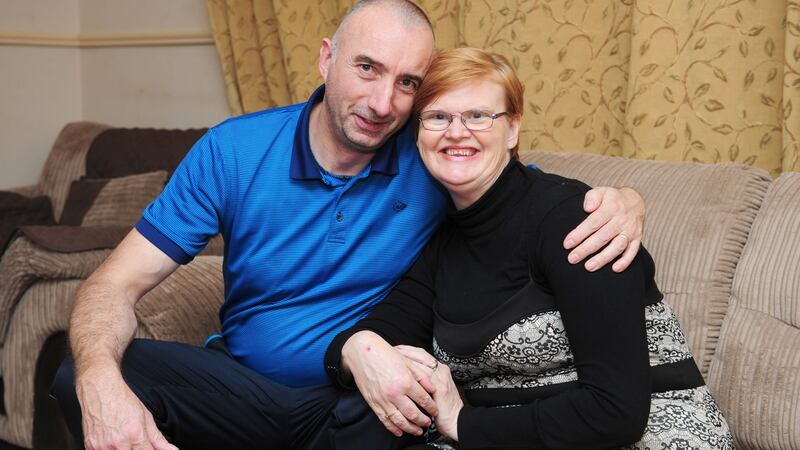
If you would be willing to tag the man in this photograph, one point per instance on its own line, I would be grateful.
(323, 206)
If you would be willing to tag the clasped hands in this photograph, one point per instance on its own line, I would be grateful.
(404, 386)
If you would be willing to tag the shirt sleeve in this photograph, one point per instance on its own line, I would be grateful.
(191, 207)
(603, 314)
(405, 316)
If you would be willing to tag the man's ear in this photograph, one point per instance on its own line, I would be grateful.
(325, 57)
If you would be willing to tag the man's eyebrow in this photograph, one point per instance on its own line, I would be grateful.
(364, 59)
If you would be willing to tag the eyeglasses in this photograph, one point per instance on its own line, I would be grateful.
(474, 119)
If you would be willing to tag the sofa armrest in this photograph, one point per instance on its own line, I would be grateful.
(185, 306)
(27, 191)
(25, 263)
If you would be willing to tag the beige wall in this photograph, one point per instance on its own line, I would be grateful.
(157, 83)
(48, 16)
(39, 86)
(156, 86)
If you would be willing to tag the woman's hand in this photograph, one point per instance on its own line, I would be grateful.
(446, 395)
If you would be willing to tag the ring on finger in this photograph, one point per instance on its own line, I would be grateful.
(624, 236)
(435, 365)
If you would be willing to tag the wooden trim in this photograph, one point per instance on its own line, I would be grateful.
(143, 39)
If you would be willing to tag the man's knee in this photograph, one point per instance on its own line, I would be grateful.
(63, 386)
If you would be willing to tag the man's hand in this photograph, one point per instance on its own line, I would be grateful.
(447, 397)
(616, 221)
(113, 417)
(102, 324)
(391, 386)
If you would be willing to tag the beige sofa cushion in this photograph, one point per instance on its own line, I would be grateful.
(122, 200)
(698, 218)
(755, 372)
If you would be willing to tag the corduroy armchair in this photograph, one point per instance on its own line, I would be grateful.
(97, 179)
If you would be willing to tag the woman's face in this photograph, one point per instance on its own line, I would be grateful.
(468, 162)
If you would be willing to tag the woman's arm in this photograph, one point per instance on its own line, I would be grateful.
(396, 390)
(603, 313)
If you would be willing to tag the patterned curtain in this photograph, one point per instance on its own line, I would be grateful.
(680, 80)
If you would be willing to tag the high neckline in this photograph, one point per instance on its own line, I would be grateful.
(491, 209)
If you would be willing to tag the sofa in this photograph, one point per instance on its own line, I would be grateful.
(725, 239)
(726, 242)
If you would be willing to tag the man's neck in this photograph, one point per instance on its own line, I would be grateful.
(329, 153)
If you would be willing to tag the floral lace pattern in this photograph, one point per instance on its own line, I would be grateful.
(535, 352)
(687, 419)
(665, 339)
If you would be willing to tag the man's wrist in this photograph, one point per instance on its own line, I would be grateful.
(357, 343)
(338, 358)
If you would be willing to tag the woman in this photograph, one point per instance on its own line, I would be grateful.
(548, 355)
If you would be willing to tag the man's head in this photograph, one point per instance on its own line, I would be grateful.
(372, 68)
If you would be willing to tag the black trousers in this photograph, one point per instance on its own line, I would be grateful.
(202, 398)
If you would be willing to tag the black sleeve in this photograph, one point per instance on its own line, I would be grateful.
(405, 316)
(603, 314)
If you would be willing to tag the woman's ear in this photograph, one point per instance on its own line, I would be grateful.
(513, 132)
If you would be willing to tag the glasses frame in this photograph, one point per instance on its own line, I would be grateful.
(493, 116)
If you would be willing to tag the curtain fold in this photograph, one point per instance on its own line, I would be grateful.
(791, 89)
(697, 80)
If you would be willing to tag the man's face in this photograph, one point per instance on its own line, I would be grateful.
(370, 83)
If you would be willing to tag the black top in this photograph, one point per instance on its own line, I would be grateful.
(505, 243)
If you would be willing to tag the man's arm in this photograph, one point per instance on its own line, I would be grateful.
(102, 325)
(616, 222)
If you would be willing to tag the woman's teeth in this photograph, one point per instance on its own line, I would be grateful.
(459, 152)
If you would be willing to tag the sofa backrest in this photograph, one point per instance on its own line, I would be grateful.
(698, 219)
(66, 161)
(119, 152)
(99, 151)
(755, 372)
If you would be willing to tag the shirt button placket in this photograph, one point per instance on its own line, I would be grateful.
(337, 232)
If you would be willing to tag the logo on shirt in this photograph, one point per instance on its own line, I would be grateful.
(398, 206)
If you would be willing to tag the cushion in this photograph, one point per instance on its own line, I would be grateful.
(755, 372)
(111, 202)
(698, 218)
(69, 239)
(17, 210)
(119, 152)
(67, 161)
(80, 198)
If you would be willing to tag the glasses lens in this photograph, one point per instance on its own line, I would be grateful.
(477, 120)
(435, 120)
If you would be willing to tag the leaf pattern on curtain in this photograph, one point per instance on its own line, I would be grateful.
(682, 80)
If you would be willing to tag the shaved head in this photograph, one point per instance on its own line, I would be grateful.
(410, 15)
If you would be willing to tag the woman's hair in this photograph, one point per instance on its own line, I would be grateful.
(452, 68)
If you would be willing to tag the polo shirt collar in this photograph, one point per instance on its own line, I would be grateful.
(304, 166)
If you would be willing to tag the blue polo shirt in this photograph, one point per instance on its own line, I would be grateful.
(307, 254)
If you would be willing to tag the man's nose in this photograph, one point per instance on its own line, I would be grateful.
(380, 99)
